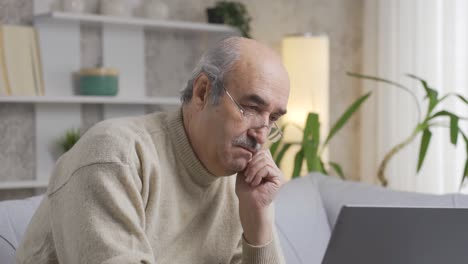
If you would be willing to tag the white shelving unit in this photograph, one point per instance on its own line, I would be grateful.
(90, 100)
(11, 185)
(91, 19)
(59, 109)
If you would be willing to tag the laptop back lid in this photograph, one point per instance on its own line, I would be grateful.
(390, 235)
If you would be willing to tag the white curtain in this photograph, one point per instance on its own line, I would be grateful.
(428, 38)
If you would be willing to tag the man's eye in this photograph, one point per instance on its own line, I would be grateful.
(274, 118)
(252, 108)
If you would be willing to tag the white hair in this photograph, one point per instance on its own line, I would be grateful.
(216, 63)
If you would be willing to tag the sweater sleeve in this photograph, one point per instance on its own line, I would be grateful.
(98, 216)
(269, 253)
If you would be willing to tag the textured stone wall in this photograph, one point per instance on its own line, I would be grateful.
(17, 138)
(170, 57)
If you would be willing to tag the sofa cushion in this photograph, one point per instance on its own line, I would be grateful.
(335, 193)
(301, 222)
(14, 218)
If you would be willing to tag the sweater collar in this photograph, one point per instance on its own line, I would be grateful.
(185, 152)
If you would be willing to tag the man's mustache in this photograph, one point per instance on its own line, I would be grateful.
(247, 142)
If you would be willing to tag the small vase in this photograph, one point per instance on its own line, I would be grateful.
(115, 8)
(99, 81)
(155, 9)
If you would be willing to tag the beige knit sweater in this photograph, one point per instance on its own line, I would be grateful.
(133, 191)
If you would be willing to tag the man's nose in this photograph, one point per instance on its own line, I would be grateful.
(260, 134)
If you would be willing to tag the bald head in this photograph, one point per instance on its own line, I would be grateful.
(236, 55)
(257, 62)
(253, 52)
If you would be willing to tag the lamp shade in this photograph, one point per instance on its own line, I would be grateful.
(306, 58)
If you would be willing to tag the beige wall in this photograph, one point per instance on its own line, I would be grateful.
(171, 56)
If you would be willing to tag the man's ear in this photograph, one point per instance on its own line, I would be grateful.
(201, 90)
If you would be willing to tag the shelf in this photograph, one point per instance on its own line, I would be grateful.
(59, 42)
(90, 100)
(22, 185)
(132, 21)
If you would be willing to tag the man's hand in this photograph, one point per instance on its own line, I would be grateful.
(256, 188)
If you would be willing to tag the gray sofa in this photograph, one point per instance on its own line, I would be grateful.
(306, 211)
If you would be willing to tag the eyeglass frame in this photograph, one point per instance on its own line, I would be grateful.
(274, 125)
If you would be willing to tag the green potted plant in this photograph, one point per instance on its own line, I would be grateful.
(311, 149)
(230, 13)
(69, 139)
(431, 119)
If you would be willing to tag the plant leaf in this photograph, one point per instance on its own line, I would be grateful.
(274, 146)
(442, 113)
(395, 84)
(345, 117)
(453, 124)
(465, 171)
(309, 154)
(322, 166)
(337, 168)
(315, 131)
(425, 140)
(461, 97)
(311, 141)
(69, 139)
(298, 163)
(453, 129)
(430, 93)
(311, 157)
(311, 124)
(378, 79)
(281, 153)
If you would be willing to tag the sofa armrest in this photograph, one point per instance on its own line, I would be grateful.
(7, 250)
(14, 218)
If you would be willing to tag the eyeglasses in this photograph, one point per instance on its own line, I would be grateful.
(256, 119)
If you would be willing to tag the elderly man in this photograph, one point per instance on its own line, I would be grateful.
(152, 189)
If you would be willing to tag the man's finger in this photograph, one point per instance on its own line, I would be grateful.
(256, 159)
(252, 169)
(259, 176)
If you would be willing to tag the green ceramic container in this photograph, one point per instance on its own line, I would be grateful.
(98, 82)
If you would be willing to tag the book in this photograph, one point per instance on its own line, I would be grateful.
(21, 61)
(4, 88)
(37, 63)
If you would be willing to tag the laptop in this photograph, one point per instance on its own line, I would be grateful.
(397, 235)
